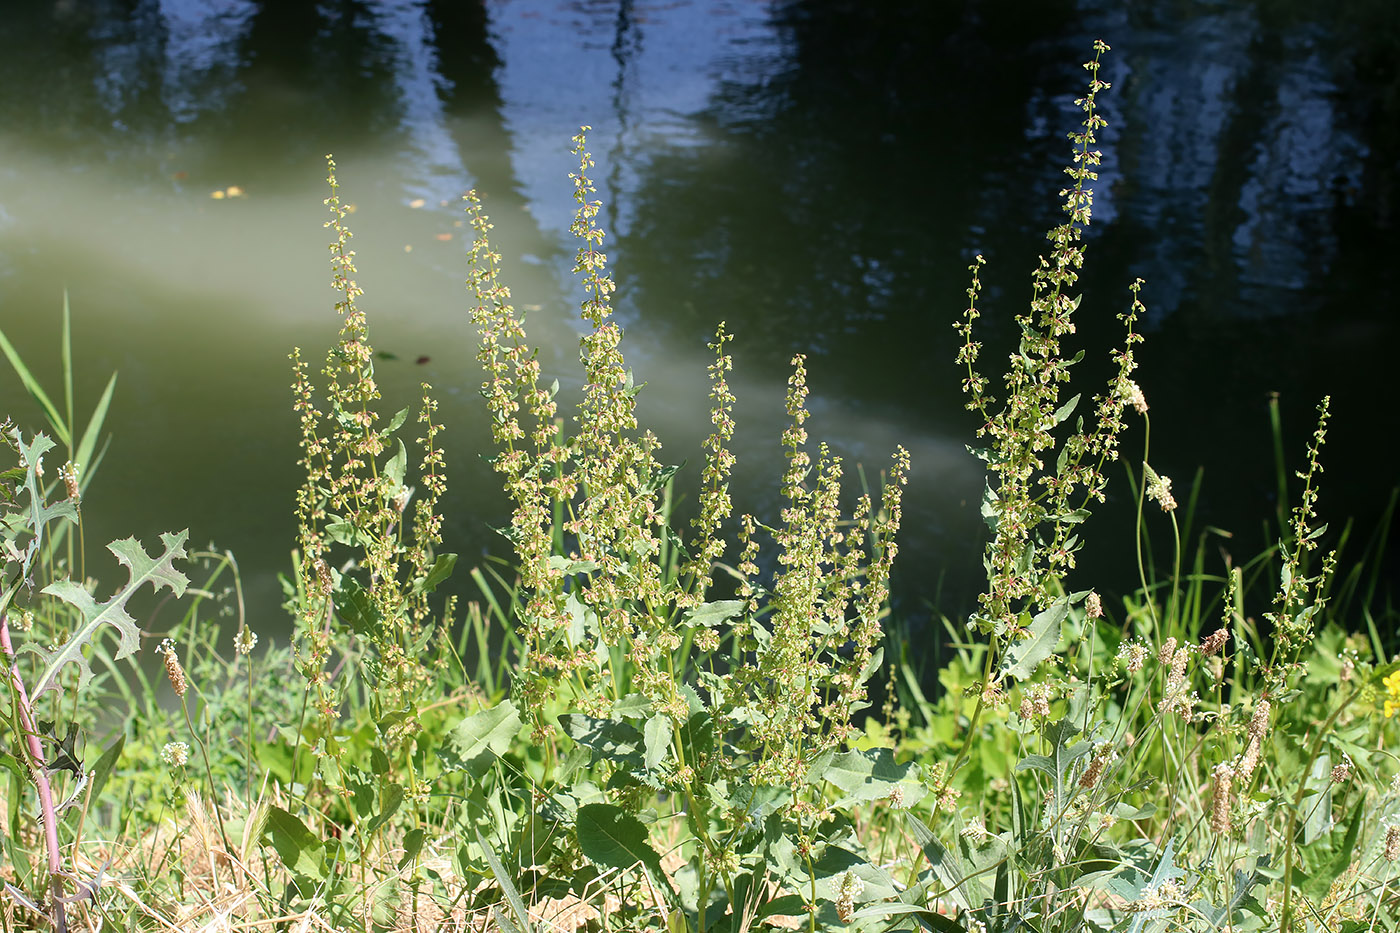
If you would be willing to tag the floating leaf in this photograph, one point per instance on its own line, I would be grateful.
(158, 571)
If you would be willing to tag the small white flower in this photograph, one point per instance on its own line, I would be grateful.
(175, 754)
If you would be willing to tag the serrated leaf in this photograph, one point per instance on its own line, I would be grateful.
(1024, 656)
(158, 571)
(478, 739)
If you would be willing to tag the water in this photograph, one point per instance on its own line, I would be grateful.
(818, 175)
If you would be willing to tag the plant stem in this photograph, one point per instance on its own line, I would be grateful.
(39, 773)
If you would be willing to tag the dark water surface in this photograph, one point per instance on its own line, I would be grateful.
(817, 174)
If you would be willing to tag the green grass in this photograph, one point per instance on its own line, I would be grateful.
(631, 727)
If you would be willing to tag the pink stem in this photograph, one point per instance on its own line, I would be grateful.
(40, 774)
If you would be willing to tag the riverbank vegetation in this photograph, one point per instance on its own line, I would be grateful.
(644, 723)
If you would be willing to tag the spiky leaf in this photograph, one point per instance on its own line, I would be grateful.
(157, 571)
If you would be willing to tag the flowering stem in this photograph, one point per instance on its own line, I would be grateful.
(209, 773)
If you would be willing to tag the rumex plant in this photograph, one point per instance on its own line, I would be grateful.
(738, 708)
(367, 560)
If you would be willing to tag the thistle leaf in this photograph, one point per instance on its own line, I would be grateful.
(158, 571)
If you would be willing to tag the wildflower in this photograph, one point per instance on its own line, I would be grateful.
(1392, 842)
(1159, 490)
(1134, 654)
(245, 641)
(1093, 605)
(173, 670)
(848, 890)
(1258, 727)
(1035, 702)
(896, 797)
(1167, 651)
(1091, 774)
(1133, 396)
(69, 474)
(1222, 777)
(948, 799)
(1342, 770)
(175, 754)
(1213, 642)
(975, 830)
(1392, 694)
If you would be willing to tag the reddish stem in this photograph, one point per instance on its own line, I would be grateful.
(39, 772)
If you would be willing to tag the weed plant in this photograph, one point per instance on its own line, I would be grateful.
(634, 728)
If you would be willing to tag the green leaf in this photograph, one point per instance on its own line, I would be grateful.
(946, 866)
(480, 738)
(1062, 414)
(657, 734)
(610, 837)
(158, 571)
(104, 766)
(412, 845)
(393, 799)
(296, 845)
(396, 422)
(88, 443)
(37, 391)
(397, 465)
(632, 706)
(1024, 656)
(714, 613)
(512, 895)
(873, 775)
(991, 507)
(438, 572)
(608, 738)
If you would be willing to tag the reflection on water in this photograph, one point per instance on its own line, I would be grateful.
(818, 174)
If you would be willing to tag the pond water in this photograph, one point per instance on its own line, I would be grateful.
(817, 174)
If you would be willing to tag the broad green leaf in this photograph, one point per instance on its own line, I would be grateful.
(714, 613)
(1062, 414)
(657, 735)
(158, 571)
(1025, 655)
(480, 738)
(393, 799)
(613, 838)
(632, 706)
(873, 775)
(296, 845)
(991, 508)
(438, 572)
(608, 738)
